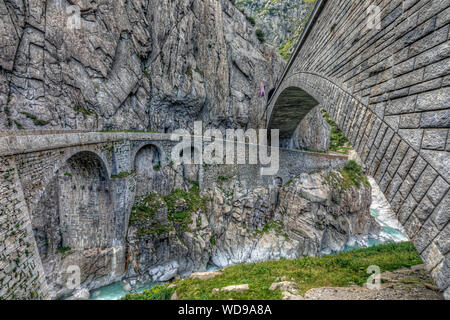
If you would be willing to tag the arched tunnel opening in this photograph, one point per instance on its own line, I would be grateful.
(73, 217)
(75, 210)
(303, 123)
(291, 106)
(147, 165)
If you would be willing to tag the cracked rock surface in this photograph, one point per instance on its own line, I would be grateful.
(306, 217)
(143, 65)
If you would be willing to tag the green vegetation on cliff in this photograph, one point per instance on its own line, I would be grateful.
(180, 205)
(351, 176)
(158, 292)
(339, 142)
(340, 270)
(281, 21)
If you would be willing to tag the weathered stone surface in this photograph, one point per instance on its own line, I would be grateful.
(313, 133)
(129, 68)
(289, 296)
(435, 139)
(424, 209)
(205, 275)
(406, 210)
(443, 240)
(442, 274)
(436, 119)
(423, 184)
(82, 294)
(236, 288)
(441, 215)
(251, 225)
(417, 168)
(403, 284)
(413, 137)
(165, 272)
(157, 66)
(284, 286)
(400, 78)
(427, 233)
(438, 190)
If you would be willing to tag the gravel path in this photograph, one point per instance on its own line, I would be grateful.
(403, 284)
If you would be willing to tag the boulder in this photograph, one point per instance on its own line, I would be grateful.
(82, 294)
(165, 272)
(289, 296)
(284, 286)
(236, 288)
(205, 275)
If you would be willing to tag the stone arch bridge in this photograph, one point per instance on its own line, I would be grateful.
(76, 189)
(388, 90)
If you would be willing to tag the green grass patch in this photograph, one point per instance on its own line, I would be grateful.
(157, 167)
(84, 111)
(64, 250)
(158, 292)
(144, 211)
(122, 175)
(260, 35)
(351, 176)
(340, 270)
(339, 143)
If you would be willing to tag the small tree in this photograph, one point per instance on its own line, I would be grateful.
(260, 35)
(251, 20)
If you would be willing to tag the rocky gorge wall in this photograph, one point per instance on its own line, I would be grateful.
(66, 201)
(148, 65)
(186, 231)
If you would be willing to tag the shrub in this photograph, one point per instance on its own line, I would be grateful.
(260, 35)
(251, 20)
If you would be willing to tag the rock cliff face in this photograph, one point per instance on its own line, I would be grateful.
(282, 21)
(313, 133)
(186, 231)
(149, 65)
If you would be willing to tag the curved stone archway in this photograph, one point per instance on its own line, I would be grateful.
(85, 202)
(73, 221)
(291, 106)
(72, 212)
(147, 165)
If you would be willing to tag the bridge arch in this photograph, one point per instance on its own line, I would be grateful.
(148, 164)
(56, 165)
(75, 208)
(291, 106)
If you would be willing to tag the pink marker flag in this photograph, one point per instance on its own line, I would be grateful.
(262, 90)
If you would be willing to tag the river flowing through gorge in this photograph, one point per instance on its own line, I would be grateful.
(391, 231)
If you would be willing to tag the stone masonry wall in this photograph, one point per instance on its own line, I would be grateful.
(21, 272)
(388, 90)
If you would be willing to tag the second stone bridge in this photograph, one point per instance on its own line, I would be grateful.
(76, 189)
